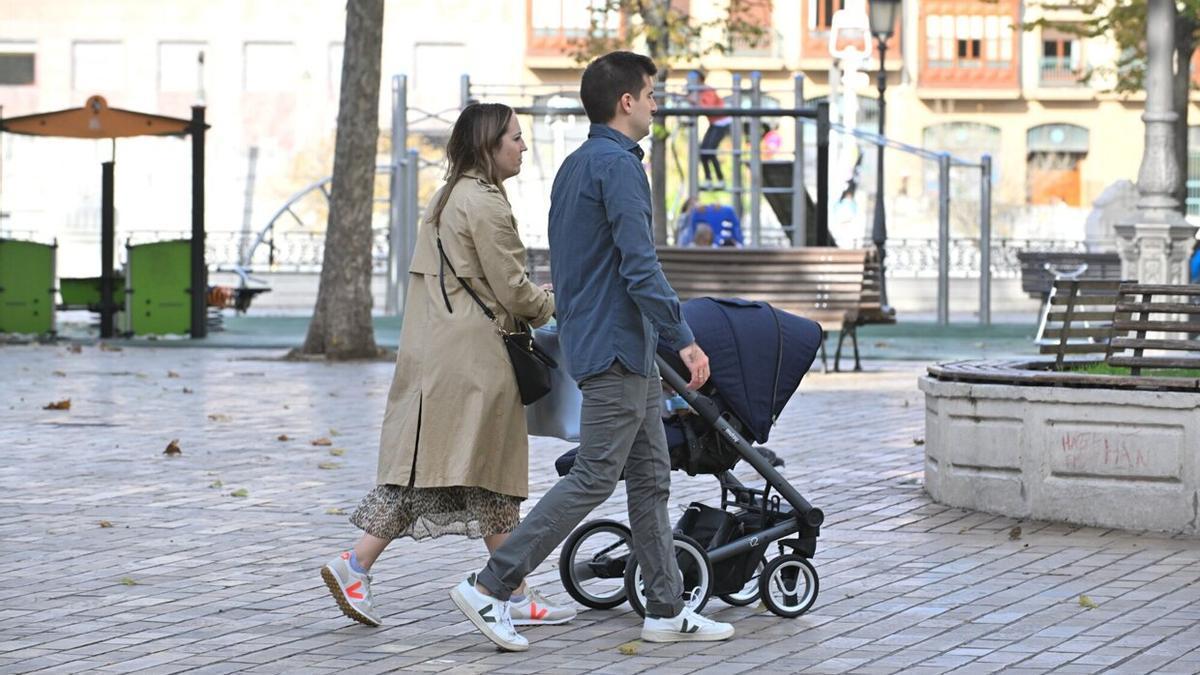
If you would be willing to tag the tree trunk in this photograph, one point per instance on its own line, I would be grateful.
(1181, 89)
(341, 327)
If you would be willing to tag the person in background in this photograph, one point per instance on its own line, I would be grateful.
(718, 128)
(703, 236)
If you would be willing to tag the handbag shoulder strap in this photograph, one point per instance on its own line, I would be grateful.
(443, 263)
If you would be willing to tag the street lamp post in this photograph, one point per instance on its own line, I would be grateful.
(883, 19)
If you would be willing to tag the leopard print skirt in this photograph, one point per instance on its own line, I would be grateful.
(394, 511)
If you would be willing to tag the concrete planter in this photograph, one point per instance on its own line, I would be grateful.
(1114, 458)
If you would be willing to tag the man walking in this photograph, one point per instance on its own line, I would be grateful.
(613, 303)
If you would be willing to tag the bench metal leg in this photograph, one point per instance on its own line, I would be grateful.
(837, 356)
(824, 359)
(854, 340)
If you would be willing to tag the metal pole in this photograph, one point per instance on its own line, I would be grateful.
(464, 91)
(199, 280)
(693, 85)
(799, 192)
(396, 186)
(413, 211)
(736, 155)
(823, 173)
(107, 237)
(879, 229)
(985, 240)
(943, 286)
(756, 161)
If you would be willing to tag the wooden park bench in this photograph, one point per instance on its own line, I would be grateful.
(1077, 318)
(1159, 326)
(838, 288)
(1039, 269)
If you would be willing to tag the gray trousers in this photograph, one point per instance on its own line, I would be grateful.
(620, 428)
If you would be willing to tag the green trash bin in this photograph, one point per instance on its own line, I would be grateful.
(26, 287)
(157, 278)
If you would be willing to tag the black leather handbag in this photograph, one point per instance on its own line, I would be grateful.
(530, 363)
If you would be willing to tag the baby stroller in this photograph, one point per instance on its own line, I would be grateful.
(758, 356)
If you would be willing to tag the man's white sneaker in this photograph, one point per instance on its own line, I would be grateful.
(490, 616)
(536, 610)
(351, 590)
(687, 627)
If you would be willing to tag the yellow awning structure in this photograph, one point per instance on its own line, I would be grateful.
(96, 120)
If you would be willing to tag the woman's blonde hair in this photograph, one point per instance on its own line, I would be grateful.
(476, 136)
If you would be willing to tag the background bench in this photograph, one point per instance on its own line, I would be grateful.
(1157, 316)
(838, 288)
(1037, 280)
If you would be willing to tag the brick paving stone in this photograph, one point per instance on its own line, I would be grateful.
(191, 578)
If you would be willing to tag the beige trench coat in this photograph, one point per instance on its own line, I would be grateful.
(454, 416)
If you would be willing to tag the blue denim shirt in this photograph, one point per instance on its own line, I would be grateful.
(611, 297)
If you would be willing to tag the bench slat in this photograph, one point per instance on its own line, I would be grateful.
(1102, 332)
(1159, 289)
(1164, 326)
(1158, 308)
(1152, 362)
(1172, 345)
(1085, 299)
(1073, 348)
(1057, 317)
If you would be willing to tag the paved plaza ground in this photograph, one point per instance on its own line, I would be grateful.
(117, 558)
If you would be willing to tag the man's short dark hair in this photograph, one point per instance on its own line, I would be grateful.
(610, 77)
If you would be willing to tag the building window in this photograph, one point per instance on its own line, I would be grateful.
(98, 67)
(968, 140)
(269, 67)
(968, 41)
(1053, 163)
(555, 24)
(1061, 59)
(17, 64)
(180, 67)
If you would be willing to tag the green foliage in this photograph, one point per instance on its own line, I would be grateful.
(1124, 22)
(1101, 368)
(669, 34)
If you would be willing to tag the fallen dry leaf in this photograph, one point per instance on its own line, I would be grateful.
(629, 648)
(105, 523)
(337, 452)
(322, 442)
(59, 373)
(173, 449)
(105, 347)
(129, 581)
(1015, 533)
(171, 373)
(218, 417)
(334, 511)
(918, 441)
(1087, 603)
(333, 432)
(75, 349)
(283, 437)
(240, 492)
(329, 465)
(216, 484)
(64, 404)
(187, 390)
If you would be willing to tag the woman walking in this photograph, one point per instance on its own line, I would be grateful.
(454, 452)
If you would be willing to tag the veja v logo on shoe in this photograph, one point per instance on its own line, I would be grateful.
(353, 592)
(687, 629)
(485, 613)
(537, 613)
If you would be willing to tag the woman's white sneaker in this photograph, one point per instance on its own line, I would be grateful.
(687, 627)
(536, 610)
(490, 615)
(351, 590)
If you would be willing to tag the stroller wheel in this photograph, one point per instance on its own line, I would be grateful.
(749, 592)
(592, 563)
(695, 567)
(788, 585)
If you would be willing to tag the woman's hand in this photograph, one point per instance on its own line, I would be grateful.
(547, 286)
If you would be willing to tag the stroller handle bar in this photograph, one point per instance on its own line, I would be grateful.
(703, 405)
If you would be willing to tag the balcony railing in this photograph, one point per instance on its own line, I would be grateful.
(1056, 72)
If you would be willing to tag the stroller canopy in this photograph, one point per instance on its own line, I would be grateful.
(757, 354)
